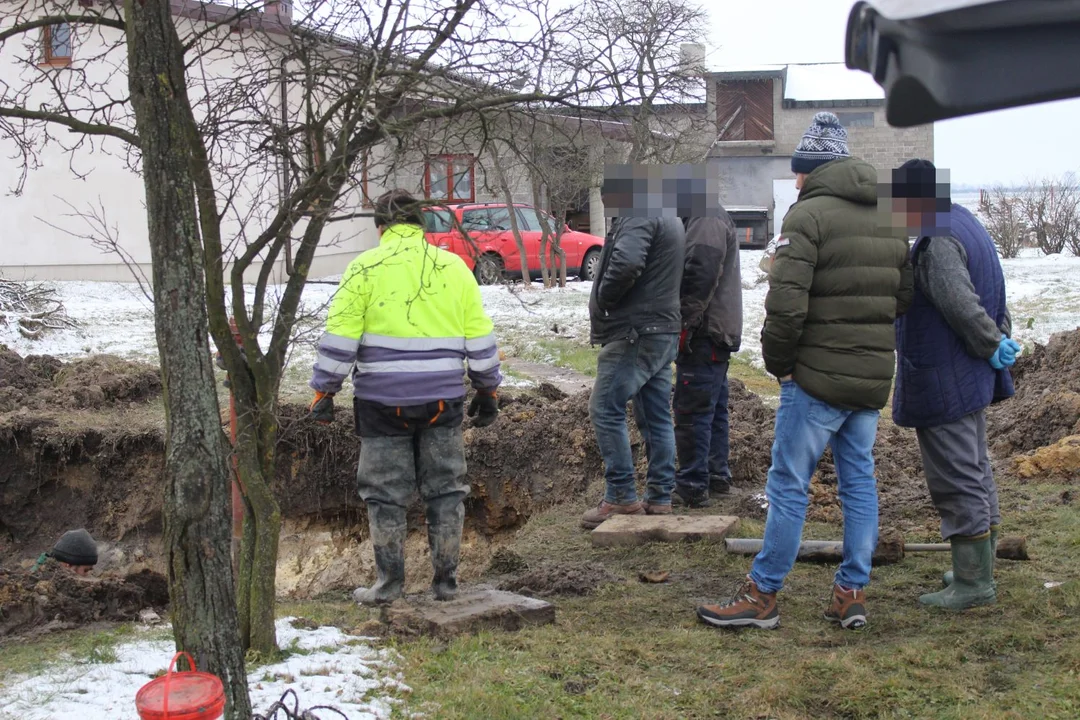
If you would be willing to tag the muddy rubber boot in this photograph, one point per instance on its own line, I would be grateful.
(387, 526)
(947, 576)
(445, 520)
(973, 576)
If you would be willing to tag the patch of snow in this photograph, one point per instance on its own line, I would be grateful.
(326, 667)
(719, 69)
(829, 81)
(1043, 293)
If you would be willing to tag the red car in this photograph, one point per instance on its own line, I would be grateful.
(496, 254)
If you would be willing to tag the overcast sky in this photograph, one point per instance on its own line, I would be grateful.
(1005, 146)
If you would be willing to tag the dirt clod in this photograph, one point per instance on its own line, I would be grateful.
(571, 579)
(659, 576)
(1046, 407)
(506, 560)
(57, 597)
(41, 382)
(1060, 462)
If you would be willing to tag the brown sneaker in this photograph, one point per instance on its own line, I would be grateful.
(749, 607)
(592, 518)
(848, 608)
(656, 509)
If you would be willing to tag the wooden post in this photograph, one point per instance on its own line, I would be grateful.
(890, 549)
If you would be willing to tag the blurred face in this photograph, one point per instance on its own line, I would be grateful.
(800, 178)
(77, 569)
(919, 213)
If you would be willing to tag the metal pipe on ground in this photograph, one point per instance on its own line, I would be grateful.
(891, 549)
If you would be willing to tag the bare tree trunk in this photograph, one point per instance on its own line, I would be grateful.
(197, 520)
(545, 238)
(262, 529)
(560, 254)
(508, 196)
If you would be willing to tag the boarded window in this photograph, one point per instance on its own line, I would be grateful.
(856, 119)
(744, 110)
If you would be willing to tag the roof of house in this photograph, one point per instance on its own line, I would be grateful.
(814, 82)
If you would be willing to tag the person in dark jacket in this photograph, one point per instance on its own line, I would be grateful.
(953, 352)
(634, 314)
(838, 281)
(711, 303)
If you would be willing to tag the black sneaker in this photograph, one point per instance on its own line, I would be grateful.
(686, 498)
(719, 484)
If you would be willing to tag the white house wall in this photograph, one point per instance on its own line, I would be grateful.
(42, 236)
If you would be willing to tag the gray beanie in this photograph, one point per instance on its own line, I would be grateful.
(825, 140)
(75, 547)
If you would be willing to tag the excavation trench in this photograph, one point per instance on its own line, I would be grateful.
(82, 445)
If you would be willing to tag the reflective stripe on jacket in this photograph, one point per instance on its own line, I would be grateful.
(403, 321)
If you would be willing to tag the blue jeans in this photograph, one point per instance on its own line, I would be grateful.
(804, 426)
(638, 371)
(701, 424)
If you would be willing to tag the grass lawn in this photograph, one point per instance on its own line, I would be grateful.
(571, 354)
(633, 650)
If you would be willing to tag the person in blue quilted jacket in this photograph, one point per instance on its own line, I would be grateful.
(953, 352)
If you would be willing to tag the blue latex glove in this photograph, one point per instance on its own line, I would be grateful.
(1005, 355)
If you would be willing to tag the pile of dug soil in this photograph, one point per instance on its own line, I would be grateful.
(570, 579)
(56, 598)
(39, 382)
(751, 436)
(1046, 407)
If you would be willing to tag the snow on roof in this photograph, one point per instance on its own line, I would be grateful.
(829, 81)
(746, 68)
(816, 82)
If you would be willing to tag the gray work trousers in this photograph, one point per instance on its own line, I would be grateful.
(959, 476)
(430, 461)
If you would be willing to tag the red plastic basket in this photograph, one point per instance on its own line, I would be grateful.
(188, 695)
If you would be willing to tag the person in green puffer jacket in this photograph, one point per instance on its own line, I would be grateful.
(840, 277)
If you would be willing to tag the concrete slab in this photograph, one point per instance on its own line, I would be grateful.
(471, 611)
(640, 529)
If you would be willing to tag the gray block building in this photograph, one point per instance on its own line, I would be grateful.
(761, 113)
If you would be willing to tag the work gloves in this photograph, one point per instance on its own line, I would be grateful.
(484, 408)
(1005, 355)
(322, 408)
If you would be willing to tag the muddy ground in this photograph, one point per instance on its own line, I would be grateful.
(81, 445)
(53, 598)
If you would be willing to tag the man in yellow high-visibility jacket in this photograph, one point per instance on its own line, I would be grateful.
(404, 321)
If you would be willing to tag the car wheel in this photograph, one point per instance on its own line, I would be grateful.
(590, 266)
(489, 270)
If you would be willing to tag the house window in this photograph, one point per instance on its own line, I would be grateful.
(856, 119)
(744, 110)
(450, 178)
(56, 44)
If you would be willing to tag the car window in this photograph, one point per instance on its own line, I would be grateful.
(437, 221)
(486, 219)
(529, 220)
(533, 220)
